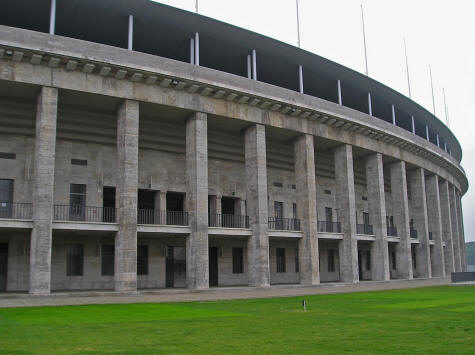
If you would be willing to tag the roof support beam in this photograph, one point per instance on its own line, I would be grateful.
(340, 101)
(413, 125)
(427, 132)
(197, 48)
(254, 64)
(131, 33)
(370, 105)
(393, 111)
(52, 17)
(192, 51)
(300, 79)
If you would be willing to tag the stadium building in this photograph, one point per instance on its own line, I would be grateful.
(145, 147)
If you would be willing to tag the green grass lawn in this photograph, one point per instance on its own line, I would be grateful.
(431, 320)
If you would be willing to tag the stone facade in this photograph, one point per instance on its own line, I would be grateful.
(128, 182)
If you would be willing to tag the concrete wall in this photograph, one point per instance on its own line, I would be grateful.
(290, 275)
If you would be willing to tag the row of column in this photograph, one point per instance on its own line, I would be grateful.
(444, 217)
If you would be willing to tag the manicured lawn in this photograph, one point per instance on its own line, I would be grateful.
(435, 320)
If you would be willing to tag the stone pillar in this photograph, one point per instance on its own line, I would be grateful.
(446, 226)
(419, 214)
(435, 225)
(161, 201)
(43, 190)
(125, 275)
(345, 200)
(463, 246)
(307, 209)
(256, 195)
(455, 230)
(197, 274)
(377, 214)
(401, 219)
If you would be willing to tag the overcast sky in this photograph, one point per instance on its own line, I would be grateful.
(439, 33)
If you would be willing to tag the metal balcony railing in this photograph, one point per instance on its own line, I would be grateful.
(15, 210)
(328, 227)
(392, 231)
(430, 236)
(228, 221)
(284, 224)
(413, 233)
(364, 229)
(170, 218)
(78, 213)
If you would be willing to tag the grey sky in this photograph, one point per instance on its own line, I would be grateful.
(439, 33)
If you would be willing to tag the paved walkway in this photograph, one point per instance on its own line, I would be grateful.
(183, 295)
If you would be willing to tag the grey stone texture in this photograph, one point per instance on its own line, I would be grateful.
(345, 199)
(421, 223)
(197, 268)
(455, 230)
(127, 180)
(446, 226)
(377, 213)
(43, 189)
(256, 178)
(435, 225)
(401, 218)
(307, 208)
(461, 231)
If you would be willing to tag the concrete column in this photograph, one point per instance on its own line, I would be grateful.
(345, 200)
(455, 230)
(435, 224)
(377, 213)
(43, 189)
(256, 194)
(125, 276)
(307, 209)
(419, 214)
(162, 201)
(219, 205)
(197, 274)
(446, 226)
(461, 231)
(401, 219)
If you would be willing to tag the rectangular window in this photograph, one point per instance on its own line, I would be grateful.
(4, 155)
(297, 266)
(238, 261)
(294, 210)
(368, 260)
(331, 260)
(142, 259)
(75, 260)
(6, 198)
(393, 257)
(280, 259)
(77, 202)
(81, 162)
(107, 260)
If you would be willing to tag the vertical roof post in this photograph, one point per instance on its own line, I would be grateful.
(192, 51)
(254, 64)
(197, 48)
(52, 17)
(131, 33)
(340, 101)
(300, 79)
(370, 105)
(413, 122)
(393, 111)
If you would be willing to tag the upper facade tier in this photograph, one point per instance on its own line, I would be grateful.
(151, 43)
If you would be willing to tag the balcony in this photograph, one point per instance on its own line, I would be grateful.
(413, 233)
(328, 227)
(364, 229)
(228, 221)
(431, 236)
(78, 213)
(392, 231)
(155, 217)
(14, 210)
(284, 224)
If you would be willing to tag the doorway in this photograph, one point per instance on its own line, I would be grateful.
(360, 266)
(213, 266)
(170, 267)
(108, 204)
(3, 266)
(6, 198)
